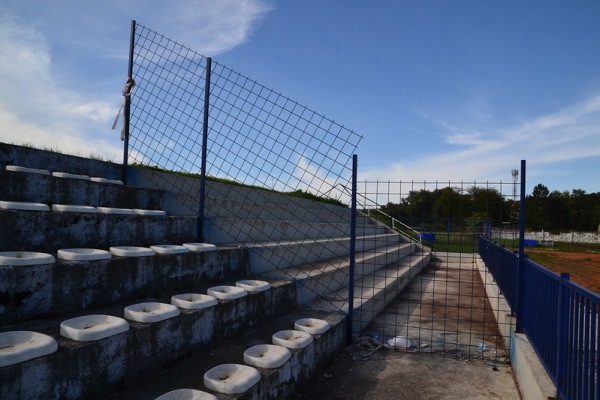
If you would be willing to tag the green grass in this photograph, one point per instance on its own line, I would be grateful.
(296, 193)
(569, 247)
(454, 242)
(91, 155)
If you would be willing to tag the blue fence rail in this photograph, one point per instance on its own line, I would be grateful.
(503, 265)
(559, 317)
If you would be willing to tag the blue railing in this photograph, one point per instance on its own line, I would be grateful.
(540, 313)
(559, 317)
(503, 265)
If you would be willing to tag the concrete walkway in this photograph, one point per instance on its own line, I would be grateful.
(455, 350)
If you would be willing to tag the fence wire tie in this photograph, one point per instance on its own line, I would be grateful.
(126, 93)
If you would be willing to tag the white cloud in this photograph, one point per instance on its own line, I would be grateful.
(211, 27)
(565, 135)
(54, 94)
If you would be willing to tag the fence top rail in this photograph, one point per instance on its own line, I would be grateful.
(587, 294)
(437, 182)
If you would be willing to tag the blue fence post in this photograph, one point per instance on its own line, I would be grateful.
(521, 270)
(200, 227)
(350, 326)
(562, 334)
(127, 105)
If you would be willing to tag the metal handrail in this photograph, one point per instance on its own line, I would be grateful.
(395, 221)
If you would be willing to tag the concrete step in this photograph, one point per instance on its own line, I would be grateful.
(95, 369)
(51, 231)
(374, 291)
(30, 187)
(238, 230)
(275, 384)
(292, 209)
(11, 154)
(37, 291)
(319, 279)
(225, 200)
(265, 257)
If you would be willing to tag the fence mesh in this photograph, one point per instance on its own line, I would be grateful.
(278, 183)
(277, 171)
(442, 305)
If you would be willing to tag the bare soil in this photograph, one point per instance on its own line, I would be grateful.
(584, 268)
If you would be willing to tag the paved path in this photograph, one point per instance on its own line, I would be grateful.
(454, 350)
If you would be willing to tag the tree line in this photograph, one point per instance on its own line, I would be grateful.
(452, 209)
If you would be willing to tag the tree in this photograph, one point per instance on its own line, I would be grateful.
(536, 207)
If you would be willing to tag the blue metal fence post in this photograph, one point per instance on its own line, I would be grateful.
(127, 105)
(562, 334)
(200, 227)
(350, 326)
(521, 270)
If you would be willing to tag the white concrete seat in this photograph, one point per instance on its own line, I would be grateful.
(186, 394)
(253, 286)
(193, 301)
(150, 312)
(16, 168)
(83, 254)
(93, 327)
(231, 378)
(131, 251)
(113, 210)
(139, 211)
(200, 247)
(313, 326)
(169, 249)
(226, 292)
(19, 346)
(24, 206)
(23, 258)
(71, 176)
(292, 339)
(266, 356)
(73, 208)
(105, 180)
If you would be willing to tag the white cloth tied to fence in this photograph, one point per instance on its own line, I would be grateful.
(126, 93)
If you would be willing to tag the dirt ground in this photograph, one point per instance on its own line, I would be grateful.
(584, 268)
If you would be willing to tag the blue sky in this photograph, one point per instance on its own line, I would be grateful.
(440, 90)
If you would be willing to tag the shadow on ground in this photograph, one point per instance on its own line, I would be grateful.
(389, 374)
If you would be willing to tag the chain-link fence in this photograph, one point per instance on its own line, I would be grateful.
(277, 172)
(278, 182)
(442, 305)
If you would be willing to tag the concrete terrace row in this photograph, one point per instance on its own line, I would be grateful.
(298, 247)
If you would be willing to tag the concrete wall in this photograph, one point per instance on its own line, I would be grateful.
(184, 194)
(49, 232)
(37, 188)
(28, 292)
(572, 237)
(11, 154)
